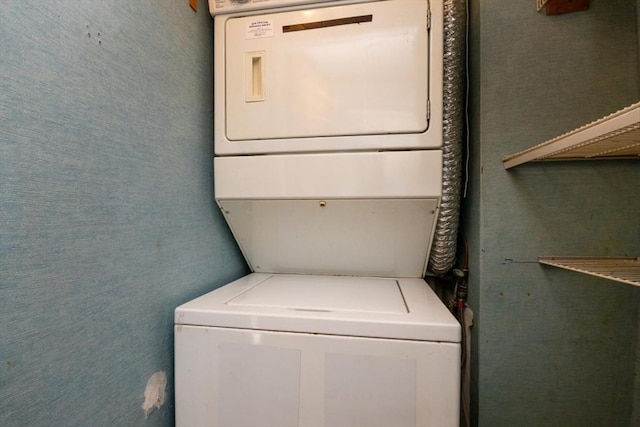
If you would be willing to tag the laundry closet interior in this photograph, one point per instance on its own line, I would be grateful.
(316, 226)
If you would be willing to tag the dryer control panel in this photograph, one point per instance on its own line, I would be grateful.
(229, 6)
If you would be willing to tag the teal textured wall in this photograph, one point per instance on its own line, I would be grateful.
(107, 217)
(552, 347)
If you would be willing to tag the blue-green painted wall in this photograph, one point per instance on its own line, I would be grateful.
(552, 347)
(107, 218)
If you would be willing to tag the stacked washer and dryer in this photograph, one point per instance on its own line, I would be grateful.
(328, 170)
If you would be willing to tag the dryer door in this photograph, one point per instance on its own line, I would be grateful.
(349, 70)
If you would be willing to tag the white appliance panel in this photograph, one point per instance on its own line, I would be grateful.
(229, 6)
(391, 308)
(370, 214)
(240, 377)
(319, 72)
(374, 83)
(390, 174)
(385, 389)
(377, 237)
(265, 379)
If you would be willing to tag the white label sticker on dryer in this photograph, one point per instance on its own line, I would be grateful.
(259, 29)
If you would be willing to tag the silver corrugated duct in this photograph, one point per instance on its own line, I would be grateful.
(443, 249)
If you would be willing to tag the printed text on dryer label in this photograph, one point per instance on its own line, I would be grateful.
(258, 29)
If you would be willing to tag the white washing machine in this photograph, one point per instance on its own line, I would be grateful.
(317, 351)
(328, 128)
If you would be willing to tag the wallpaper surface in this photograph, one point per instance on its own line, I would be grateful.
(551, 347)
(107, 217)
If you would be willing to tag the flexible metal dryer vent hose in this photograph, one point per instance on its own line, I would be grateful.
(443, 248)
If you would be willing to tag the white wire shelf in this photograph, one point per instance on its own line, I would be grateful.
(614, 136)
(620, 269)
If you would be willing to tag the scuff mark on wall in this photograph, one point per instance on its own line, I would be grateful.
(154, 392)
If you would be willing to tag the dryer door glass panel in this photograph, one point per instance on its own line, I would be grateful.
(356, 69)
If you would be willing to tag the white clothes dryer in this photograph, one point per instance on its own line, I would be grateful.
(327, 76)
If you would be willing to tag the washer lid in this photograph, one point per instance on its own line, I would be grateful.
(326, 294)
(335, 305)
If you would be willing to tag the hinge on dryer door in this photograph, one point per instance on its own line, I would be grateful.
(428, 17)
(428, 111)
